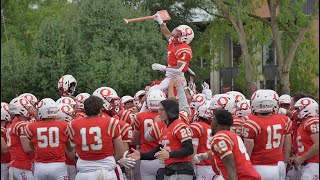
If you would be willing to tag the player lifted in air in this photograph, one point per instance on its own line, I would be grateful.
(179, 53)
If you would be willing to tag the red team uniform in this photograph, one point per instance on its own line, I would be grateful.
(19, 159)
(225, 143)
(179, 52)
(308, 127)
(172, 137)
(49, 138)
(5, 158)
(237, 125)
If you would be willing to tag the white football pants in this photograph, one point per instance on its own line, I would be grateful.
(310, 171)
(101, 174)
(282, 170)
(204, 172)
(268, 172)
(149, 168)
(4, 171)
(72, 172)
(54, 171)
(20, 174)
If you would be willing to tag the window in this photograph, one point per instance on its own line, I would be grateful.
(269, 55)
(236, 54)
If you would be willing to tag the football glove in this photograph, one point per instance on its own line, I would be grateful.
(158, 19)
(159, 67)
(127, 162)
(200, 157)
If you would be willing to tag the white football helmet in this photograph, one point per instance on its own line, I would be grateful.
(5, 113)
(238, 96)
(285, 99)
(107, 94)
(204, 110)
(262, 101)
(154, 98)
(242, 108)
(137, 97)
(275, 98)
(197, 100)
(65, 112)
(21, 106)
(80, 98)
(183, 34)
(307, 107)
(32, 98)
(47, 108)
(125, 99)
(67, 85)
(67, 100)
(223, 101)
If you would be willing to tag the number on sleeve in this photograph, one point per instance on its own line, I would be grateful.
(222, 146)
(300, 145)
(314, 128)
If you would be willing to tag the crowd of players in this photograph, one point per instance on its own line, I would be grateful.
(219, 137)
(167, 131)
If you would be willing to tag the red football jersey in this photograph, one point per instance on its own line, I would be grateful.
(124, 115)
(142, 123)
(237, 125)
(179, 52)
(94, 137)
(79, 114)
(5, 158)
(49, 138)
(267, 134)
(288, 130)
(19, 159)
(172, 137)
(125, 131)
(156, 129)
(201, 133)
(184, 116)
(307, 128)
(225, 143)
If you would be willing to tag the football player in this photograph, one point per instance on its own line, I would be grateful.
(228, 150)
(264, 133)
(201, 140)
(142, 123)
(126, 102)
(308, 138)
(49, 137)
(20, 166)
(175, 145)
(96, 138)
(5, 156)
(79, 111)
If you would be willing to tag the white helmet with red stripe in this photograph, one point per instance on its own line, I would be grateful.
(137, 97)
(32, 98)
(183, 34)
(67, 100)
(80, 98)
(107, 94)
(285, 99)
(223, 101)
(238, 96)
(242, 108)
(47, 108)
(154, 98)
(65, 112)
(197, 100)
(307, 107)
(22, 106)
(275, 99)
(67, 85)
(262, 101)
(5, 113)
(204, 110)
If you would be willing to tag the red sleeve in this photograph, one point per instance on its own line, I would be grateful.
(250, 129)
(124, 115)
(28, 131)
(312, 126)
(196, 130)
(156, 129)
(114, 128)
(288, 126)
(126, 131)
(182, 132)
(136, 122)
(19, 129)
(3, 132)
(222, 145)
